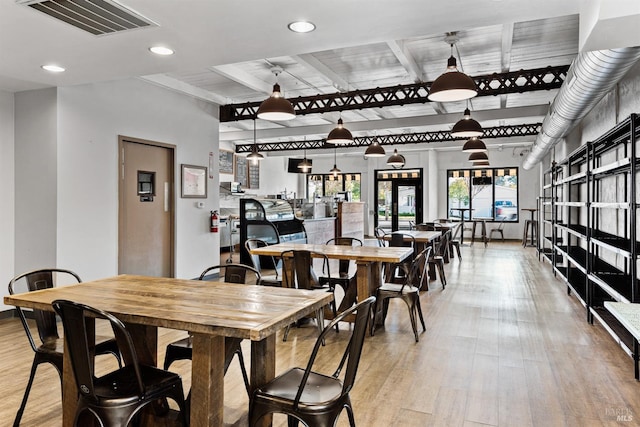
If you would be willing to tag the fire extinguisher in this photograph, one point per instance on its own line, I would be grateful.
(214, 222)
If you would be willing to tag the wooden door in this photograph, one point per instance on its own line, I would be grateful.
(146, 206)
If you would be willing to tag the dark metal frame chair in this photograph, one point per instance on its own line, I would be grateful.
(183, 349)
(304, 276)
(346, 281)
(115, 398)
(380, 233)
(437, 257)
(266, 280)
(52, 348)
(314, 398)
(498, 229)
(408, 291)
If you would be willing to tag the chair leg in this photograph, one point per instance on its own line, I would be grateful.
(419, 308)
(18, 418)
(412, 317)
(443, 279)
(245, 377)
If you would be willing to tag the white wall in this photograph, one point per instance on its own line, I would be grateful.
(35, 179)
(80, 137)
(7, 192)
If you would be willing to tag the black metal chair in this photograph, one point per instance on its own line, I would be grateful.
(436, 260)
(380, 233)
(115, 398)
(314, 398)
(344, 278)
(399, 239)
(303, 276)
(499, 230)
(408, 291)
(51, 348)
(267, 280)
(183, 349)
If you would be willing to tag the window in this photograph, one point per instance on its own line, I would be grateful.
(488, 193)
(334, 186)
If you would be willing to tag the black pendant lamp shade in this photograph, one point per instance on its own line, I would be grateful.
(478, 157)
(482, 163)
(340, 135)
(276, 107)
(375, 150)
(466, 127)
(396, 160)
(452, 85)
(474, 145)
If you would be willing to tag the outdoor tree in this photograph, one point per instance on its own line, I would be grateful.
(459, 192)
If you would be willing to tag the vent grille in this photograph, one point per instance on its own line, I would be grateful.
(98, 17)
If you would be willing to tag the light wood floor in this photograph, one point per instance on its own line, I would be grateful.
(504, 346)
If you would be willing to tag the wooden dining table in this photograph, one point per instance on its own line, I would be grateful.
(368, 259)
(209, 311)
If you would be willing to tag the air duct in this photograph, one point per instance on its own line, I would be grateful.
(591, 76)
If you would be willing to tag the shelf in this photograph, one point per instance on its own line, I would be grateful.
(620, 166)
(614, 327)
(610, 279)
(576, 256)
(610, 205)
(613, 243)
(573, 204)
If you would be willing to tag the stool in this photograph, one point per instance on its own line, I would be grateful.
(483, 229)
(529, 238)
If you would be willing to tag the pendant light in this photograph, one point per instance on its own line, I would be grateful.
(474, 145)
(254, 156)
(396, 160)
(466, 127)
(340, 135)
(276, 107)
(478, 157)
(305, 165)
(375, 149)
(335, 171)
(452, 85)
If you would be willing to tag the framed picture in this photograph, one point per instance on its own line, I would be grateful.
(194, 181)
(226, 161)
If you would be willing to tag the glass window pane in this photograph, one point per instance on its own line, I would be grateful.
(506, 205)
(458, 196)
(481, 196)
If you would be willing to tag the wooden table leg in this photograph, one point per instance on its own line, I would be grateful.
(207, 380)
(263, 368)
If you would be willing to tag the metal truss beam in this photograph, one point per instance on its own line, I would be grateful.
(530, 129)
(416, 93)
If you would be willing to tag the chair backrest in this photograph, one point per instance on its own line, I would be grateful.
(413, 277)
(403, 240)
(250, 244)
(343, 264)
(353, 349)
(74, 316)
(234, 273)
(304, 276)
(441, 246)
(380, 233)
(33, 281)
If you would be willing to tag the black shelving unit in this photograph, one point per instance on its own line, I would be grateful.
(589, 230)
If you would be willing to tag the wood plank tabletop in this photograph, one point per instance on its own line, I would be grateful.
(217, 308)
(357, 253)
(418, 235)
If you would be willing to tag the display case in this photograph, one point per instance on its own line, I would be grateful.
(271, 220)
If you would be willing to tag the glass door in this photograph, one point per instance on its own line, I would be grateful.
(399, 199)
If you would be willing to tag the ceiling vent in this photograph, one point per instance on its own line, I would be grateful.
(98, 17)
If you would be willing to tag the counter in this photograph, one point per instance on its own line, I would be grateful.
(320, 230)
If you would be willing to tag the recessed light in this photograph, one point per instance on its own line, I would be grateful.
(53, 68)
(302, 26)
(161, 50)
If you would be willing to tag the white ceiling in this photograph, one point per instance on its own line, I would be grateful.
(225, 50)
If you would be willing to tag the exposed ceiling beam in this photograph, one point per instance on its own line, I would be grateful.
(505, 60)
(240, 76)
(488, 85)
(333, 78)
(184, 88)
(407, 60)
(527, 129)
(535, 112)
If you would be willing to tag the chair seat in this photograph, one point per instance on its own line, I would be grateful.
(397, 288)
(271, 280)
(319, 389)
(121, 387)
